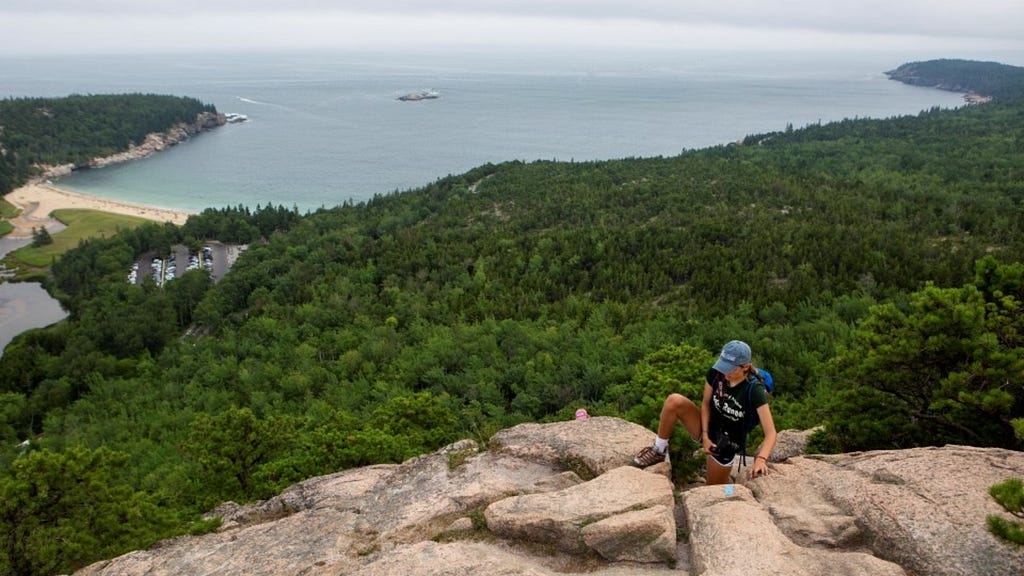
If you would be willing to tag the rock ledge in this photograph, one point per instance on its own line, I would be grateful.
(560, 499)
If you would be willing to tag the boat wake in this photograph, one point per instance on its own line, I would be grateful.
(251, 101)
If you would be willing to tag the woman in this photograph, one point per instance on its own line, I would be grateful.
(734, 393)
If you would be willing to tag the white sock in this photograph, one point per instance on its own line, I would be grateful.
(660, 445)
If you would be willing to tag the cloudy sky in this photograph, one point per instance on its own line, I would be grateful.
(948, 27)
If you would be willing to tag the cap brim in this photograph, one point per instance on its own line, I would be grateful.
(724, 366)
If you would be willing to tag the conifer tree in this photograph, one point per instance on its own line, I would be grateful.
(1010, 495)
(41, 237)
(63, 510)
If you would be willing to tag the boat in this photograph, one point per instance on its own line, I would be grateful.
(421, 95)
(235, 118)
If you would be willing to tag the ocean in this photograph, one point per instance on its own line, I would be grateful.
(325, 129)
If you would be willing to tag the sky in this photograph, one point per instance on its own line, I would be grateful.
(948, 28)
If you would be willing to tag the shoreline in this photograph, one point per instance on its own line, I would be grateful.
(39, 198)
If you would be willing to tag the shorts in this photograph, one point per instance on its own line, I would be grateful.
(721, 461)
(725, 455)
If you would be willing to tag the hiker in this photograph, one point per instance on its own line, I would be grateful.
(735, 401)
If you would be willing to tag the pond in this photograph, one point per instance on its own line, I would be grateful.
(24, 305)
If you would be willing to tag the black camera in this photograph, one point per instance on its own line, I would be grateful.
(725, 447)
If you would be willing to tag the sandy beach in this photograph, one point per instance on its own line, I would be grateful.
(38, 200)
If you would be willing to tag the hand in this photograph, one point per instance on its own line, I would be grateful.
(708, 446)
(759, 468)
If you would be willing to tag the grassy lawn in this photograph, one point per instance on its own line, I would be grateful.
(7, 210)
(81, 224)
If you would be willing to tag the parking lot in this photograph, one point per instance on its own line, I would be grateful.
(214, 257)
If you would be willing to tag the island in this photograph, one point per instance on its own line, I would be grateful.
(421, 95)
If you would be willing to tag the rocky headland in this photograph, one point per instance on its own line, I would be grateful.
(560, 498)
(151, 144)
(979, 82)
(916, 74)
(157, 142)
(909, 76)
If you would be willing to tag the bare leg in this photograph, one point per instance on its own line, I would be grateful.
(679, 408)
(676, 408)
(717, 474)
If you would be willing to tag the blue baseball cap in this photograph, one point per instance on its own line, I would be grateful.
(734, 354)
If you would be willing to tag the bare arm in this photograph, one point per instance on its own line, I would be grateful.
(705, 417)
(760, 466)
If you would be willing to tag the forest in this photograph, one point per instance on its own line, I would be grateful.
(986, 78)
(874, 265)
(74, 129)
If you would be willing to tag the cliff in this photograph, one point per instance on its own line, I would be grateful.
(153, 143)
(560, 499)
(156, 142)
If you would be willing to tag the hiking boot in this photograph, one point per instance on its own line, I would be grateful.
(647, 457)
